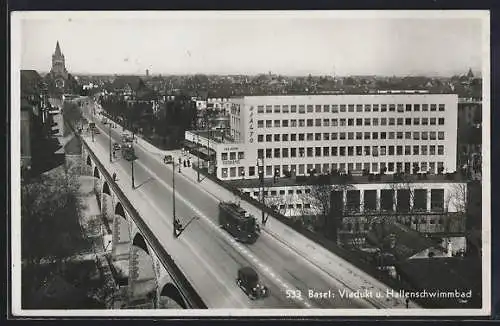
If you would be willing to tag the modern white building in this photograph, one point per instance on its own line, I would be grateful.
(406, 131)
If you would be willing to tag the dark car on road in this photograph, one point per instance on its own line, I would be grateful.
(116, 147)
(248, 281)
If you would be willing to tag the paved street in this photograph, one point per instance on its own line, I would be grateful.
(279, 265)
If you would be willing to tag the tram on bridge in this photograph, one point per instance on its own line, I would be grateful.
(241, 225)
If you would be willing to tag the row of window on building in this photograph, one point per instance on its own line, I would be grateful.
(303, 169)
(336, 108)
(359, 135)
(358, 226)
(391, 121)
(391, 200)
(327, 151)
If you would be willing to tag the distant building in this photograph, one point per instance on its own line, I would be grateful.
(220, 105)
(58, 70)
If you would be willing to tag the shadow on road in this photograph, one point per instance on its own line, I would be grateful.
(143, 183)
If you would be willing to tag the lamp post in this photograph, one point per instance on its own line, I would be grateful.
(130, 156)
(260, 168)
(176, 222)
(177, 226)
(110, 147)
(199, 153)
(133, 181)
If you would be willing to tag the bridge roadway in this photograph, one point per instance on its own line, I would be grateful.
(217, 255)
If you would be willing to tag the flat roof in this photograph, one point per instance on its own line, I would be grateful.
(378, 93)
(284, 181)
(205, 134)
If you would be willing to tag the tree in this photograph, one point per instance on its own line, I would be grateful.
(456, 200)
(73, 114)
(50, 214)
(50, 228)
(319, 197)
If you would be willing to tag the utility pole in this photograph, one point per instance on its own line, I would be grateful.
(208, 143)
(199, 153)
(260, 168)
(110, 147)
(130, 156)
(174, 229)
(133, 181)
(177, 226)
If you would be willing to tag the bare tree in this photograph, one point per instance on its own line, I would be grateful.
(320, 200)
(456, 201)
(276, 202)
(458, 197)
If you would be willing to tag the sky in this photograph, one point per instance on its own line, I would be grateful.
(287, 43)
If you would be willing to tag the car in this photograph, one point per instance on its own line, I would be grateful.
(248, 281)
(116, 146)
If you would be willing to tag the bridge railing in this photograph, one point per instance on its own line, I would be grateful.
(191, 297)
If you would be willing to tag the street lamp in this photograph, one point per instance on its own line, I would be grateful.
(110, 147)
(131, 157)
(260, 169)
(198, 154)
(177, 225)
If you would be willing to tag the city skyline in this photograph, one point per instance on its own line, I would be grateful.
(284, 43)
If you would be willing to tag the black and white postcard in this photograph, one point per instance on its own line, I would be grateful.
(250, 163)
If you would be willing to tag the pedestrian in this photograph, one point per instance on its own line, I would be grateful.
(114, 176)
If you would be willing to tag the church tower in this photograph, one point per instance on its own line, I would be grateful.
(58, 71)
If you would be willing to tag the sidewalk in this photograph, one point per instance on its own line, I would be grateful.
(352, 277)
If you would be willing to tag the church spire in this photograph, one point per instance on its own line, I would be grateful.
(58, 50)
(470, 74)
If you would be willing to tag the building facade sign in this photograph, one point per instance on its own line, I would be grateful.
(250, 126)
(231, 149)
(231, 162)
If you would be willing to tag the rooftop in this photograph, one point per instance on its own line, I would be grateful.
(216, 136)
(344, 93)
(408, 242)
(445, 274)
